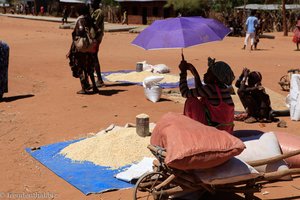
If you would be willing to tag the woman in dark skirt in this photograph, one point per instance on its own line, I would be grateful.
(4, 55)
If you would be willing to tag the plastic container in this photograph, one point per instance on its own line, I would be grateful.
(139, 66)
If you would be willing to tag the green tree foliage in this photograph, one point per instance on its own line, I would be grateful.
(189, 7)
(109, 2)
(202, 7)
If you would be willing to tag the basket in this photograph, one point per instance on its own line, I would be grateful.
(154, 93)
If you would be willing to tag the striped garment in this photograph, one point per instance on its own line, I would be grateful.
(207, 91)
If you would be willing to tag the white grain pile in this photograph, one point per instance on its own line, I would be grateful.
(113, 149)
(140, 76)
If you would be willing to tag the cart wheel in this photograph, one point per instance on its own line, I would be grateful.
(249, 196)
(284, 83)
(145, 185)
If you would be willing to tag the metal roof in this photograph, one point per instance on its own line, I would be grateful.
(138, 0)
(269, 7)
(76, 1)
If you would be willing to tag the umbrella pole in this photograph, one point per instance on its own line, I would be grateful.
(182, 56)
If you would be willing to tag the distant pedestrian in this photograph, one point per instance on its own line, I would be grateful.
(42, 10)
(125, 20)
(296, 38)
(81, 60)
(4, 56)
(65, 14)
(26, 9)
(98, 19)
(258, 30)
(32, 10)
(251, 24)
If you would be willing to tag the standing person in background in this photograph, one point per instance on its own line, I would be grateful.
(42, 10)
(4, 58)
(251, 24)
(296, 37)
(65, 14)
(98, 20)
(81, 62)
(215, 106)
(258, 30)
(125, 20)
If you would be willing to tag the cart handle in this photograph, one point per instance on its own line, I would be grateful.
(157, 150)
(273, 159)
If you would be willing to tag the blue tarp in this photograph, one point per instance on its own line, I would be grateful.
(85, 176)
(163, 85)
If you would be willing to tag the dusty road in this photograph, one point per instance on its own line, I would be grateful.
(42, 106)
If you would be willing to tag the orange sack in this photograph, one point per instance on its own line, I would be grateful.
(192, 145)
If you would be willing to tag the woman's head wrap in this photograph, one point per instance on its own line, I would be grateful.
(221, 70)
(255, 77)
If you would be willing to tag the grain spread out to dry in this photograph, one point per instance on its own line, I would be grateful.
(113, 149)
(140, 76)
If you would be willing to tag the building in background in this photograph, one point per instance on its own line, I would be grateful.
(145, 11)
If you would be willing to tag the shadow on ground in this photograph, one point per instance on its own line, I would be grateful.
(14, 98)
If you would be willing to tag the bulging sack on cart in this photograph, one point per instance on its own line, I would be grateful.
(232, 171)
(288, 143)
(262, 147)
(192, 145)
(294, 97)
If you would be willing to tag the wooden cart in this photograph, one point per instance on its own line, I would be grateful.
(165, 182)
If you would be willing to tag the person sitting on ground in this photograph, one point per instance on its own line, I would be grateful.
(253, 97)
(215, 106)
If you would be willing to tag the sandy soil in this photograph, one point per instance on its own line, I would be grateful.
(42, 106)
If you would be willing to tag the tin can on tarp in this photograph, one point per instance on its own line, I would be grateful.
(142, 125)
(139, 67)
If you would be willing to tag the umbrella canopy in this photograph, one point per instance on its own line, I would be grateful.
(180, 32)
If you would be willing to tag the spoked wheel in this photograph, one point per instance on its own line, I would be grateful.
(284, 83)
(145, 186)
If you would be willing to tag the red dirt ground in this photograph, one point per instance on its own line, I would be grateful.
(42, 106)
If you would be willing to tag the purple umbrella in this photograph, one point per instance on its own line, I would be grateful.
(180, 32)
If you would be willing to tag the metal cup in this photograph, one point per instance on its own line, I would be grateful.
(139, 67)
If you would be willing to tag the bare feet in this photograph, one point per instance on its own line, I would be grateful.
(82, 92)
(250, 120)
(95, 90)
(100, 84)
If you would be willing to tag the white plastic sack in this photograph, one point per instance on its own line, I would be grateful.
(266, 146)
(160, 69)
(231, 171)
(154, 93)
(294, 97)
(135, 171)
(151, 81)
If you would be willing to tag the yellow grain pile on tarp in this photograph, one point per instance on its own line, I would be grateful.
(113, 149)
(140, 76)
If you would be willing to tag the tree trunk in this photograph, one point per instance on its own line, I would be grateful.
(284, 22)
(244, 15)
